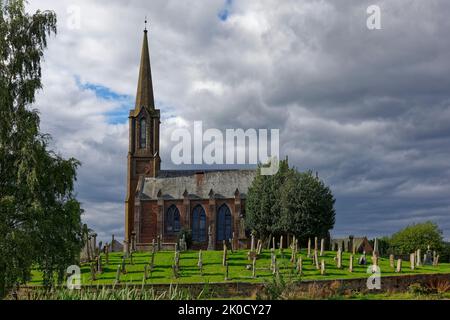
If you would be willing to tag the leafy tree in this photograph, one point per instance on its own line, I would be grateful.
(290, 202)
(40, 220)
(417, 236)
(307, 206)
(263, 207)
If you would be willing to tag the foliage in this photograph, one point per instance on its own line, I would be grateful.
(39, 216)
(289, 202)
(417, 236)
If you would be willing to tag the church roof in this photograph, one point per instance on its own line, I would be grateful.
(197, 184)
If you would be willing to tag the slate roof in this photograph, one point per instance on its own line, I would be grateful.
(172, 185)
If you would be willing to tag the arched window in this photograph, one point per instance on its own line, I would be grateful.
(172, 220)
(199, 224)
(143, 133)
(224, 225)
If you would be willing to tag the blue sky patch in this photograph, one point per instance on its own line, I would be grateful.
(124, 102)
(224, 13)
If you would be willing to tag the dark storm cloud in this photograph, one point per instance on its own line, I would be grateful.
(369, 110)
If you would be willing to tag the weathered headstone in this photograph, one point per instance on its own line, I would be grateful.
(391, 261)
(375, 249)
(211, 245)
(119, 269)
(126, 248)
(316, 259)
(322, 267)
(322, 246)
(428, 259)
(225, 253)
(252, 244)
(362, 261)
(399, 266)
(309, 248)
(259, 247)
(316, 243)
(131, 258)
(281, 247)
(99, 264)
(200, 262)
(158, 242)
(412, 261)
(300, 265)
(339, 258)
(254, 268)
(350, 266)
(93, 272)
(273, 243)
(273, 261)
(418, 258)
(107, 254)
(436, 261)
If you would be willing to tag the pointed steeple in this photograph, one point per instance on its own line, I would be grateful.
(144, 96)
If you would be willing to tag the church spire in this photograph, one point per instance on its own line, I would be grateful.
(144, 96)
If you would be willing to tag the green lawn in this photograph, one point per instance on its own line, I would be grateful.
(215, 272)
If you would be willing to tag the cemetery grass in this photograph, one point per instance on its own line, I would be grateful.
(213, 270)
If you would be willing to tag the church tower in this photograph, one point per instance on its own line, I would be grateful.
(144, 123)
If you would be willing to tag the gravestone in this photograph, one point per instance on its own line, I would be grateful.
(119, 269)
(126, 248)
(183, 244)
(93, 272)
(211, 245)
(273, 243)
(350, 265)
(254, 268)
(399, 266)
(316, 259)
(158, 242)
(375, 249)
(339, 258)
(252, 245)
(309, 248)
(224, 260)
(300, 265)
(322, 246)
(133, 242)
(112, 243)
(316, 244)
(322, 267)
(391, 261)
(99, 264)
(412, 260)
(273, 261)
(259, 247)
(200, 262)
(281, 246)
(428, 260)
(362, 260)
(107, 254)
(418, 258)
(436, 261)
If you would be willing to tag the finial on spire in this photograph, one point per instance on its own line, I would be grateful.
(145, 29)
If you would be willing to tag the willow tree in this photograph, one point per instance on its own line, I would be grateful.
(40, 222)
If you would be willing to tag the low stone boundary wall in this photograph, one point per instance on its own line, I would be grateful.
(243, 289)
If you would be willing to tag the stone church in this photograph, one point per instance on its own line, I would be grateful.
(162, 203)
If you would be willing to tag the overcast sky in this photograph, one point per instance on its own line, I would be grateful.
(368, 109)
